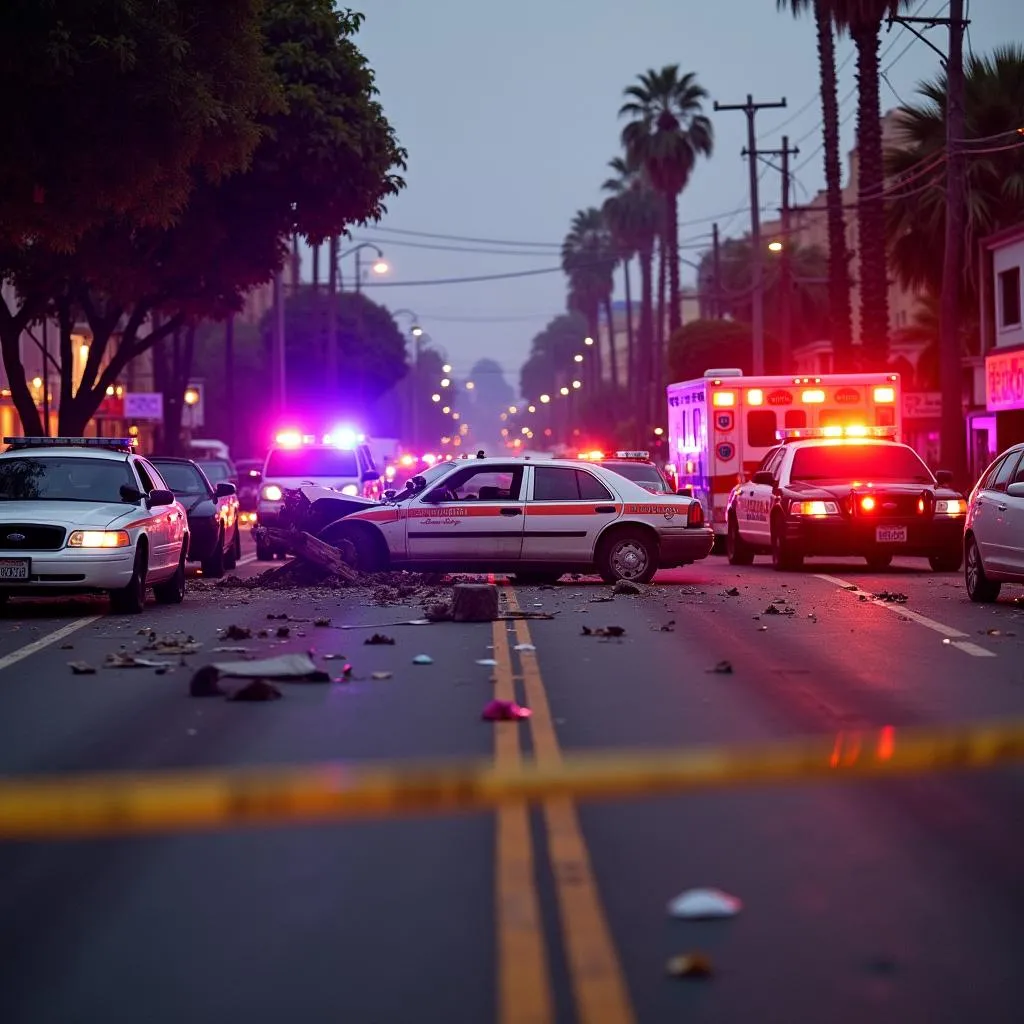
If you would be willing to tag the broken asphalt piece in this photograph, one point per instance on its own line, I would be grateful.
(285, 666)
(723, 668)
(234, 632)
(704, 905)
(438, 611)
(627, 587)
(231, 650)
(381, 675)
(172, 645)
(524, 647)
(283, 632)
(474, 602)
(604, 631)
(322, 621)
(601, 600)
(423, 659)
(669, 626)
(204, 683)
(81, 668)
(257, 690)
(122, 659)
(504, 711)
(890, 597)
(277, 615)
(771, 610)
(689, 965)
(733, 592)
(379, 640)
(67, 647)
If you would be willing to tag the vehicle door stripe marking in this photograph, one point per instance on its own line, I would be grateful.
(44, 641)
(956, 636)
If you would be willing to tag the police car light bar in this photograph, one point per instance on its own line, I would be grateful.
(632, 455)
(854, 430)
(116, 443)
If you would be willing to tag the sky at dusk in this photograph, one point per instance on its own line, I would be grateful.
(509, 115)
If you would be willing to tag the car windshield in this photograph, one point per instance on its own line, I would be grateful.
(642, 473)
(859, 463)
(60, 478)
(310, 463)
(182, 477)
(217, 470)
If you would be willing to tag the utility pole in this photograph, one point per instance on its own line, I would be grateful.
(332, 316)
(750, 108)
(359, 275)
(278, 360)
(716, 269)
(229, 377)
(953, 439)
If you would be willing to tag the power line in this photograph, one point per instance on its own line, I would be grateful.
(463, 280)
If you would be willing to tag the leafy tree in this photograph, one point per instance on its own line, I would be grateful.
(666, 134)
(119, 106)
(551, 356)
(924, 329)
(327, 158)
(702, 344)
(838, 253)
(491, 396)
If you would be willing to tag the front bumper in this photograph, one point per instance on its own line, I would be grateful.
(68, 570)
(840, 537)
(203, 536)
(681, 547)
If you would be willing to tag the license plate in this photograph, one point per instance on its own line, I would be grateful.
(890, 534)
(15, 568)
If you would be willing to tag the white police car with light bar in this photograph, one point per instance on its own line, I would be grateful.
(534, 518)
(839, 491)
(87, 515)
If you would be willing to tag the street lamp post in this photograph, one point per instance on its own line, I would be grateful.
(414, 413)
(380, 265)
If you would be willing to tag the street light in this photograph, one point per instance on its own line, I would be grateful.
(435, 397)
(588, 341)
(470, 385)
(446, 368)
(512, 409)
(446, 382)
(380, 265)
(577, 384)
(531, 408)
(578, 358)
(191, 396)
(775, 247)
(545, 399)
(563, 391)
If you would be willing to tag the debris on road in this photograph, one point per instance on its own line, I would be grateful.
(733, 592)
(379, 640)
(607, 631)
(385, 625)
(323, 621)
(723, 668)
(524, 647)
(669, 627)
(283, 632)
(627, 587)
(234, 632)
(257, 690)
(381, 675)
(689, 965)
(231, 650)
(171, 644)
(123, 659)
(890, 597)
(474, 602)
(504, 711)
(284, 666)
(205, 683)
(423, 659)
(704, 905)
(486, 662)
(81, 668)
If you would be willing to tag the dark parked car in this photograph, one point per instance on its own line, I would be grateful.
(213, 517)
(250, 473)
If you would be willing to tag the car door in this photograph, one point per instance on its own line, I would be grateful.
(1013, 550)
(754, 501)
(167, 522)
(474, 516)
(990, 521)
(565, 511)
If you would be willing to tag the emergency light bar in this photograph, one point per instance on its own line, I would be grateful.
(111, 443)
(632, 455)
(854, 430)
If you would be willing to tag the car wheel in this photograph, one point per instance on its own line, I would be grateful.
(264, 552)
(784, 557)
(172, 591)
(213, 567)
(358, 546)
(878, 561)
(131, 599)
(946, 561)
(737, 552)
(980, 588)
(536, 579)
(234, 552)
(628, 555)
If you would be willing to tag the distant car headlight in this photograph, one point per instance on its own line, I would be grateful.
(99, 539)
(950, 507)
(814, 508)
(272, 492)
(350, 489)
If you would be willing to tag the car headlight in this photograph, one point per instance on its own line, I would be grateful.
(350, 489)
(814, 508)
(99, 539)
(950, 507)
(272, 492)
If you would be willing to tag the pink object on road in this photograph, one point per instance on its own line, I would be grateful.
(504, 711)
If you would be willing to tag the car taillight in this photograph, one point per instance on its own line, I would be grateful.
(695, 514)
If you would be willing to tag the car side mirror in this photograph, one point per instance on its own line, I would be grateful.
(390, 494)
(132, 494)
(370, 475)
(159, 497)
(943, 477)
(1016, 490)
(225, 490)
(762, 478)
(685, 492)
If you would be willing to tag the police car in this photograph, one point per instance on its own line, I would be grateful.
(86, 514)
(635, 466)
(534, 519)
(845, 491)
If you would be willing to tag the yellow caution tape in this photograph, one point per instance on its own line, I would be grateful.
(51, 807)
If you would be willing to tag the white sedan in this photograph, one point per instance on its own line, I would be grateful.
(87, 515)
(534, 519)
(994, 531)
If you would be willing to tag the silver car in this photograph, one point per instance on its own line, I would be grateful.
(994, 530)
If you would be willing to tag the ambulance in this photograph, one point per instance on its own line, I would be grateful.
(721, 425)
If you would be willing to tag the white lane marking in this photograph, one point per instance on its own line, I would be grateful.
(44, 641)
(246, 560)
(956, 637)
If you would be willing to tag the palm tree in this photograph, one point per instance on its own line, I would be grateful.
(838, 253)
(863, 20)
(589, 257)
(633, 212)
(993, 101)
(924, 330)
(666, 133)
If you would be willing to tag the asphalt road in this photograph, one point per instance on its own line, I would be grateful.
(897, 901)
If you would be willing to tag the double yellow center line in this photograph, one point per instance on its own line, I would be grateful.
(524, 977)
